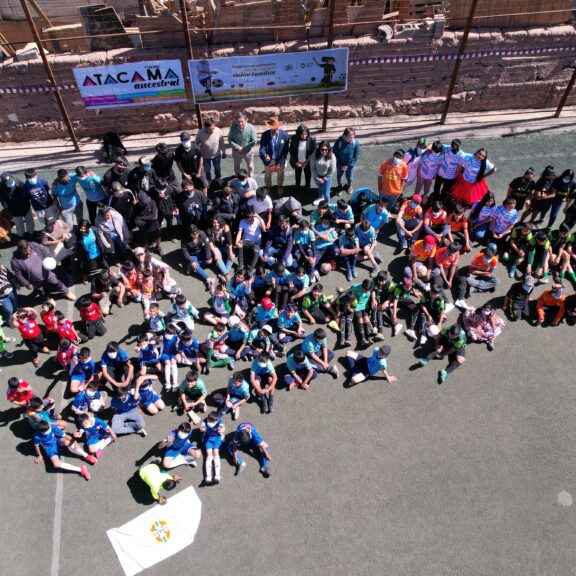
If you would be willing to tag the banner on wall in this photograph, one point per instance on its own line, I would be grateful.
(269, 75)
(131, 84)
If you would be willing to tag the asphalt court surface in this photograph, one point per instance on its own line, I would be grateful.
(408, 478)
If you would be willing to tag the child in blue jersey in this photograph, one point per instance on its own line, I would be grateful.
(300, 371)
(50, 438)
(240, 290)
(188, 351)
(89, 400)
(117, 369)
(145, 394)
(349, 249)
(148, 353)
(97, 432)
(315, 346)
(364, 368)
(237, 393)
(298, 284)
(263, 378)
(367, 240)
(128, 417)
(212, 429)
(179, 450)
(290, 324)
(168, 358)
(237, 339)
(248, 438)
(83, 372)
(304, 245)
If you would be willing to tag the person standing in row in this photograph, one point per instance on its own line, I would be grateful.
(242, 138)
(392, 178)
(302, 146)
(273, 152)
(347, 151)
(212, 147)
(323, 166)
(190, 162)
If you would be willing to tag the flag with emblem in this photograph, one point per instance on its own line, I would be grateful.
(158, 533)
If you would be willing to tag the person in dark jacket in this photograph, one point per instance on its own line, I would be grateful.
(347, 151)
(143, 177)
(163, 163)
(163, 194)
(29, 272)
(118, 173)
(16, 200)
(302, 146)
(146, 218)
(273, 152)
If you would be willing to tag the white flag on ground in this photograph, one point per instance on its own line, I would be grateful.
(158, 533)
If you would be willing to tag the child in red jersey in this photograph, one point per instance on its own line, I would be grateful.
(19, 392)
(25, 321)
(65, 328)
(92, 318)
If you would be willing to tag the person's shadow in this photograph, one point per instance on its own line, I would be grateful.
(139, 490)
(10, 415)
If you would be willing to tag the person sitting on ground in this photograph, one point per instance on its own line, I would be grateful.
(551, 300)
(365, 368)
(451, 342)
(247, 437)
(483, 325)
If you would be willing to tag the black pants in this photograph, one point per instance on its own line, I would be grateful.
(248, 255)
(93, 328)
(307, 176)
(35, 345)
(443, 187)
(92, 210)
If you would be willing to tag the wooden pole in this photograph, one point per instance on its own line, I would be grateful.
(330, 44)
(456, 68)
(189, 51)
(567, 92)
(51, 77)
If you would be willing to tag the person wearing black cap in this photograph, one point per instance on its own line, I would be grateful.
(551, 300)
(163, 162)
(118, 173)
(364, 368)
(189, 160)
(16, 200)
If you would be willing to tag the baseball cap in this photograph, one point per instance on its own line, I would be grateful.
(429, 241)
(267, 328)
(491, 249)
(421, 142)
(185, 136)
(242, 173)
(143, 160)
(233, 321)
(384, 351)
(416, 198)
(267, 303)
(139, 250)
(529, 281)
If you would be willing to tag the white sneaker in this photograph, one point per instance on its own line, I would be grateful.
(235, 413)
(410, 334)
(317, 201)
(398, 328)
(463, 304)
(423, 339)
(449, 308)
(427, 287)
(142, 432)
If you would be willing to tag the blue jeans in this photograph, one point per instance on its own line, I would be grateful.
(239, 458)
(272, 257)
(409, 225)
(350, 262)
(481, 231)
(199, 270)
(9, 305)
(324, 188)
(349, 174)
(216, 161)
(223, 267)
(556, 206)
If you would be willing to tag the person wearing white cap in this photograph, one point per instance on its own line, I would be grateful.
(143, 177)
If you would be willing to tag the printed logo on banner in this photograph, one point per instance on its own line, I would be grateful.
(160, 531)
(131, 84)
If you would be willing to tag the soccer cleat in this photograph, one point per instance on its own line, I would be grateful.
(410, 334)
(423, 361)
(463, 304)
(84, 473)
(235, 413)
(99, 453)
(442, 376)
(333, 325)
(379, 337)
(216, 481)
(334, 372)
(317, 201)
(91, 459)
(265, 472)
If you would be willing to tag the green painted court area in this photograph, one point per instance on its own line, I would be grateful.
(474, 477)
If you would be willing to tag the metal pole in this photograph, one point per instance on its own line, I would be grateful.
(51, 77)
(565, 95)
(456, 69)
(330, 44)
(189, 51)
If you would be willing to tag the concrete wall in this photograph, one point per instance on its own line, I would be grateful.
(374, 90)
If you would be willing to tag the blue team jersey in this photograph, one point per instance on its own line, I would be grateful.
(211, 431)
(189, 350)
(255, 438)
(311, 345)
(289, 323)
(241, 393)
(92, 186)
(268, 368)
(50, 442)
(262, 315)
(121, 358)
(96, 432)
(170, 345)
(365, 237)
(84, 370)
(122, 407)
(376, 364)
(294, 366)
(178, 443)
(149, 355)
(82, 402)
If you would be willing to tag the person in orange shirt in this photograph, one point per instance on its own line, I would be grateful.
(554, 299)
(459, 228)
(392, 178)
(420, 261)
(445, 265)
(476, 277)
(409, 221)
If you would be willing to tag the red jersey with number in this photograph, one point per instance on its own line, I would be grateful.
(66, 330)
(90, 313)
(29, 330)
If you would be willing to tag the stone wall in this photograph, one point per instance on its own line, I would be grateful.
(489, 83)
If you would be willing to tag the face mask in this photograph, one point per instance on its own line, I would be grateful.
(147, 168)
(556, 295)
(262, 364)
(396, 161)
(182, 435)
(486, 313)
(413, 205)
(34, 181)
(211, 424)
(436, 213)
(527, 288)
(187, 144)
(419, 151)
(90, 394)
(112, 355)
(487, 259)
(566, 180)
(243, 183)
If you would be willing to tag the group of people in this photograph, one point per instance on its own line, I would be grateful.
(261, 262)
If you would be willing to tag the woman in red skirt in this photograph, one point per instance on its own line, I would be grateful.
(471, 180)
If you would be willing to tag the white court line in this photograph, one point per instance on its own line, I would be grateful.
(58, 496)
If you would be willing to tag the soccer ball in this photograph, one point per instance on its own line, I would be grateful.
(325, 268)
(433, 330)
(217, 83)
(49, 263)
(96, 405)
